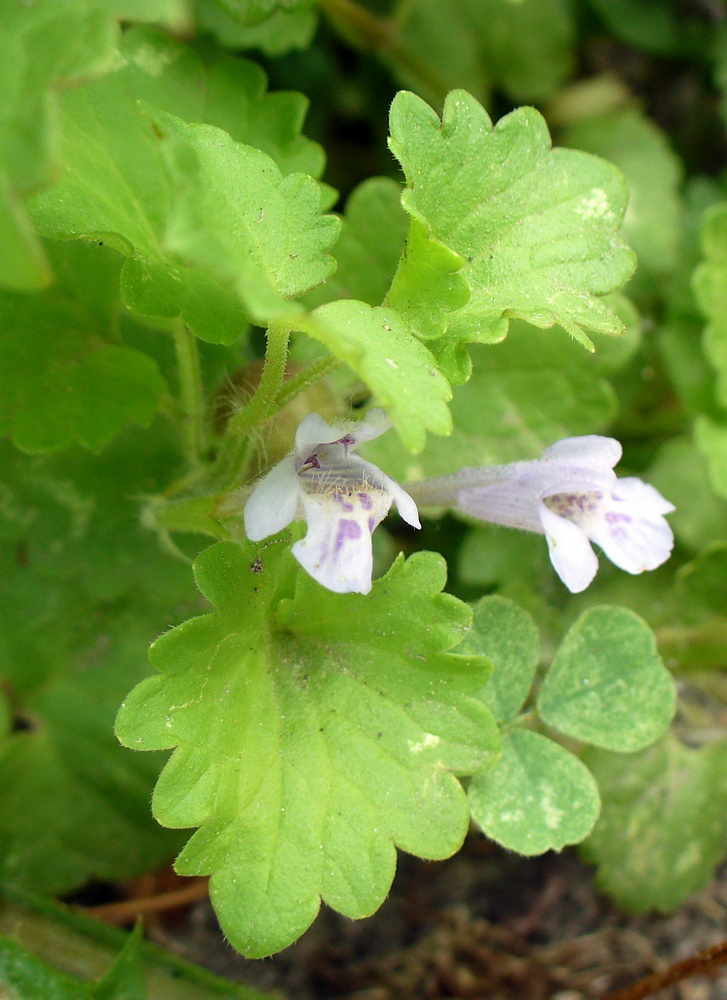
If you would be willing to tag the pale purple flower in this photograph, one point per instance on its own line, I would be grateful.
(572, 496)
(341, 496)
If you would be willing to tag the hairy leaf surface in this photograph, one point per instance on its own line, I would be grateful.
(313, 740)
(536, 226)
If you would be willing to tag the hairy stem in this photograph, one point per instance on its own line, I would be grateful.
(191, 400)
(313, 373)
(235, 444)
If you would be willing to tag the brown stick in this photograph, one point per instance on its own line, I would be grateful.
(129, 909)
(703, 961)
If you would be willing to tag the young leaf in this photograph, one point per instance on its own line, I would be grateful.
(536, 226)
(538, 796)
(237, 217)
(64, 376)
(378, 344)
(311, 741)
(607, 684)
(664, 822)
(507, 635)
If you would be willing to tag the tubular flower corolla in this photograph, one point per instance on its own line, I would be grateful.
(573, 497)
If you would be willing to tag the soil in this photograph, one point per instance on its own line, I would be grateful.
(485, 925)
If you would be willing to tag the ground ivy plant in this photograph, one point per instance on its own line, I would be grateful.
(344, 460)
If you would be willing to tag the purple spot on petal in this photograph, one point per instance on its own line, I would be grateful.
(612, 517)
(366, 501)
(372, 524)
(347, 529)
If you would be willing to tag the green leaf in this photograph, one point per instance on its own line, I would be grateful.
(680, 339)
(211, 228)
(282, 31)
(176, 14)
(607, 684)
(83, 590)
(492, 557)
(125, 979)
(646, 24)
(25, 977)
(250, 12)
(310, 741)
(62, 771)
(533, 389)
(524, 48)
(535, 225)
(701, 582)
(653, 173)
(664, 822)
(428, 287)
(236, 216)
(378, 263)
(64, 375)
(238, 101)
(507, 635)
(709, 286)
(78, 518)
(680, 473)
(373, 233)
(378, 344)
(538, 797)
(43, 46)
(527, 46)
(711, 439)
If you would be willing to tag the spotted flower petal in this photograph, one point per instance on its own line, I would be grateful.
(342, 497)
(336, 550)
(573, 497)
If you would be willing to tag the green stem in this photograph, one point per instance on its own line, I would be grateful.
(234, 446)
(313, 373)
(190, 394)
(382, 36)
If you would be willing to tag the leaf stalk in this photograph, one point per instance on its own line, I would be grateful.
(194, 432)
